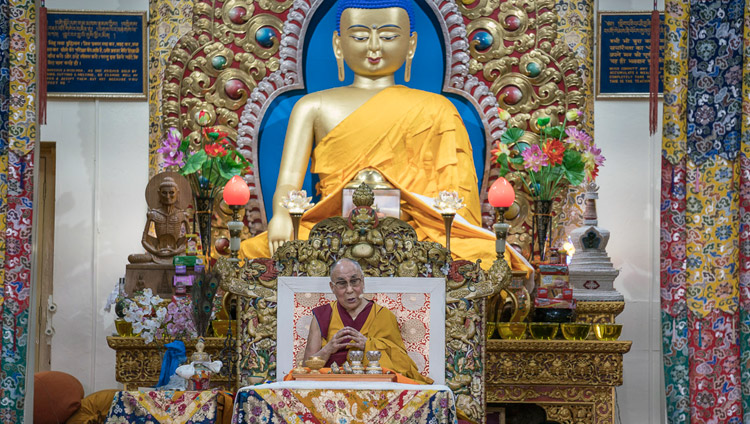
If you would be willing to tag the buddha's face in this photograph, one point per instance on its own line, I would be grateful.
(168, 194)
(347, 284)
(374, 42)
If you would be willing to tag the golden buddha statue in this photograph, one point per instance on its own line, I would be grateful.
(415, 139)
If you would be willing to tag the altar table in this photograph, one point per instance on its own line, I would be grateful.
(343, 402)
(170, 407)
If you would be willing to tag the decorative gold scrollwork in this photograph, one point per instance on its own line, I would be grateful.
(475, 9)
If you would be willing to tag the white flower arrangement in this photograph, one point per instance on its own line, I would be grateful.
(145, 313)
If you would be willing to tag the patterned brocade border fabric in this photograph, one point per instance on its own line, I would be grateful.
(674, 131)
(344, 406)
(576, 26)
(705, 238)
(164, 407)
(18, 135)
(170, 20)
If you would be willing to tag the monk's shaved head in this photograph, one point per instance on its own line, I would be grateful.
(349, 261)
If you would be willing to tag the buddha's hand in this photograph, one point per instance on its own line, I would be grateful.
(279, 231)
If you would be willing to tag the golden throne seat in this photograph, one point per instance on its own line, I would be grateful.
(385, 248)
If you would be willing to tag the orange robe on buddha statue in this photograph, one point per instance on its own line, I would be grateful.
(418, 142)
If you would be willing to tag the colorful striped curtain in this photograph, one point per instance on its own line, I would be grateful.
(705, 200)
(18, 132)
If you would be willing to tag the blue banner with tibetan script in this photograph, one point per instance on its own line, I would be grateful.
(624, 46)
(96, 54)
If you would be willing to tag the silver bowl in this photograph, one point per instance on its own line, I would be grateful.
(355, 356)
(373, 355)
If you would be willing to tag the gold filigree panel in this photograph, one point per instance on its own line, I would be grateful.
(138, 364)
(564, 404)
(548, 368)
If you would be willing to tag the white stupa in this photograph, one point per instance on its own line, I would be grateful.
(591, 272)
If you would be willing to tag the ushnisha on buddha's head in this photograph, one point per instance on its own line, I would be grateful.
(374, 37)
(347, 283)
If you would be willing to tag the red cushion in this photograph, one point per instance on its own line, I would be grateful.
(57, 396)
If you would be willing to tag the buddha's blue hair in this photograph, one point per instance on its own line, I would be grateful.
(375, 4)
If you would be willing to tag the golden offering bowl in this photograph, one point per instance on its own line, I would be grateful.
(490, 329)
(124, 328)
(511, 330)
(607, 332)
(355, 356)
(315, 363)
(221, 326)
(575, 331)
(543, 330)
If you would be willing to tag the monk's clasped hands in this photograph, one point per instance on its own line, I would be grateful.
(350, 339)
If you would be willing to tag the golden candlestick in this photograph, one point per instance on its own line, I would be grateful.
(296, 202)
(448, 221)
(501, 231)
(447, 203)
(296, 218)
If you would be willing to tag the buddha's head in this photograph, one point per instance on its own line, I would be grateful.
(347, 283)
(374, 38)
(168, 191)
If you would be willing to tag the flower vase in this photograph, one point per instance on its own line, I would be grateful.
(204, 212)
(542, 225)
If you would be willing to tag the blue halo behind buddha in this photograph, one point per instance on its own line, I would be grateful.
(407, 5)
(428, 71)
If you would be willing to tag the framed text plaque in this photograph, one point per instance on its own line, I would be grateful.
(623, 50)
(94, 54)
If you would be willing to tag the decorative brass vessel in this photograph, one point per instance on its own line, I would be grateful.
(221, 326)
(607, 332)
(315, 363)
(543, 330)
(511, 330)
(124, 328)
(575, 331)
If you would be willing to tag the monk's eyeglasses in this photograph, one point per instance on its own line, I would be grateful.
(341, 285)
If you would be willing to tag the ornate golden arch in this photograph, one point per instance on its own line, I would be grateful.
(228, 66)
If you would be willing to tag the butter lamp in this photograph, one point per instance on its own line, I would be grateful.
(501, 196)
(236, 195)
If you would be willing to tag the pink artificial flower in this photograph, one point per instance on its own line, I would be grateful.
(169, 148)
(534, 158)
(577, 138)
(595, 153)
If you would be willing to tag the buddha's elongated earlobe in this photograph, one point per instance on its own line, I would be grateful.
(340, 66)
(339, 55)
(410, 56)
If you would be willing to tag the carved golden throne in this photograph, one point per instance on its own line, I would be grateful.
(386, 247)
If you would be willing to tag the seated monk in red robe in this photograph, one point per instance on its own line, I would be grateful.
(352, 322)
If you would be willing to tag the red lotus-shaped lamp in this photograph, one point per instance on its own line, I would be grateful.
(501, 196)
(236, 196)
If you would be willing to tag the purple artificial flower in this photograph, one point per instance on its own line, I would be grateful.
(169, 148)
(534, 158)
(596, 152)
(578, 138)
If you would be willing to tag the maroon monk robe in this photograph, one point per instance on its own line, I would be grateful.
(323, 315)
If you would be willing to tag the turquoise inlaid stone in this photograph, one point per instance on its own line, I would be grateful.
(265, 37)
(218, 62)
(484, 40)
(533, 69)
